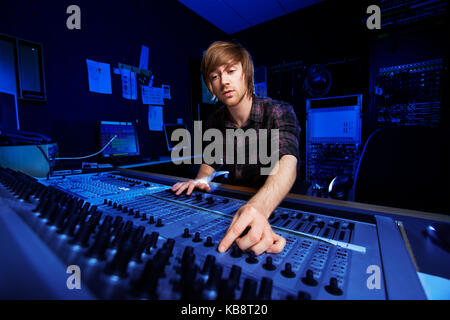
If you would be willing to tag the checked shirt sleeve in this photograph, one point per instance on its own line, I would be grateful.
(289, 130)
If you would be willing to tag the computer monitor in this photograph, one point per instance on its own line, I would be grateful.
(169, 128)
(126, 144)
(9, 118)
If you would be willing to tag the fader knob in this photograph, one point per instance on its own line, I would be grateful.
(153, 241)
(265, 291)
(269, 265)
(209, 263)
(236, 252)
(309, 278)
(302, 295)
(249, 290)
(235, 275)
(186, 233)
(287, 272)
(159, 223)
(208, 242)
(333, 287)
(197, 237)
(251, 258)
(215, 275)
(226, 290)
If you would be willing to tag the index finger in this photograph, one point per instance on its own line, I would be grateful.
(234, 231)
(176, 186)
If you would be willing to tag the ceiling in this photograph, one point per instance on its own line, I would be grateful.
(236, 15)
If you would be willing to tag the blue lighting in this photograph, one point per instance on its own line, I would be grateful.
(431, 228)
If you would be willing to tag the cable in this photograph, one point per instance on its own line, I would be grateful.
(78, 158)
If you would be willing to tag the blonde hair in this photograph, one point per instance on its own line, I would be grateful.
(222, 52)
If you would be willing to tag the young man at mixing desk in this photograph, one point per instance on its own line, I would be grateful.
(227, 70)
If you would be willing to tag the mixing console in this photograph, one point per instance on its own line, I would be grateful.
(132, 238)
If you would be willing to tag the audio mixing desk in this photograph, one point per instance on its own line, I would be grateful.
(129, 237)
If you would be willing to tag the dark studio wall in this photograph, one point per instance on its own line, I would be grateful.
(111, 32)
(331, 33)
(334, 33)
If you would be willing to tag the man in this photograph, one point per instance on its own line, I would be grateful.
(227, 70)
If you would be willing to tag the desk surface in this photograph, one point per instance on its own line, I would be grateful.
(161, 160)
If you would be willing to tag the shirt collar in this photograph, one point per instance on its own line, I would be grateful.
(256, 113)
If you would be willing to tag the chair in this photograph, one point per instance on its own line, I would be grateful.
(405, 167)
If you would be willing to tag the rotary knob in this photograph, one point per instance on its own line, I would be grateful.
(269, 264)
(287, 272)
(333, 287)
(309, 278)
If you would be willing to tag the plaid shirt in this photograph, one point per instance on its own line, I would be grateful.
(265, 114)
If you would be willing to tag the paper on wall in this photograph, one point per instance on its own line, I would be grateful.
(155, 118)
(129, 85)
(166, 91)
(99, 76)
(143, 62)
(152, 95)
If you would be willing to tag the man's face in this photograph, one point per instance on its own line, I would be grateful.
(229, 84)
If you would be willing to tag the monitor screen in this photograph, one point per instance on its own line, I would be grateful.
(334, 123)
(169, 128)
(126, 143)
(8, 111)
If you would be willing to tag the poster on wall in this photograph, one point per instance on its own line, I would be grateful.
(99, 76)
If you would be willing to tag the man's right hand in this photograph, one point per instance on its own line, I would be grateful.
(190, 185)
